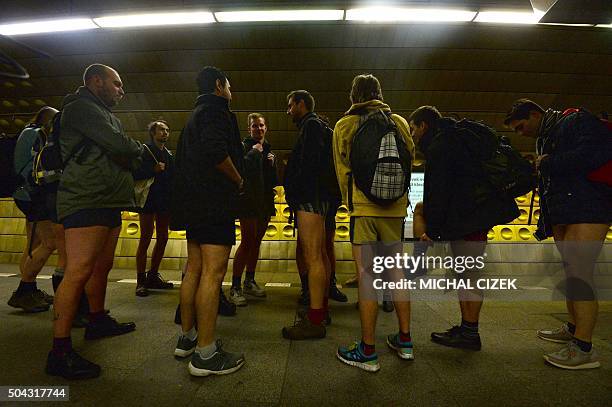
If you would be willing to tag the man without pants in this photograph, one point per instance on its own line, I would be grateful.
(575, 209)
(372, 225)
(95, 186)
(452, 210)
(310, 198)
(205, 203)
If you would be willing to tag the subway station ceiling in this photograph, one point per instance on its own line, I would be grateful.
(466, 69)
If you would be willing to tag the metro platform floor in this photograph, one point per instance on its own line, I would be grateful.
(140, 370)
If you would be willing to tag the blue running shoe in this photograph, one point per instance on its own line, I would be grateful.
(354, 356)
(403, 349)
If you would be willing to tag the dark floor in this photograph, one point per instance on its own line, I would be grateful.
(139, 369)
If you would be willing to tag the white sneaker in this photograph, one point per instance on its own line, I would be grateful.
(237, 298)
(251, 288)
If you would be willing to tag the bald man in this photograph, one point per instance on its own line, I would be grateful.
(95, 186)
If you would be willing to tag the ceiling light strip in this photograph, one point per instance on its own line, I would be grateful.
(279, 15)
(394, 14)
(507, 17)
(47, 26)
(155, 19)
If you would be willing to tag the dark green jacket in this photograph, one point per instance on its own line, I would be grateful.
(98, 174)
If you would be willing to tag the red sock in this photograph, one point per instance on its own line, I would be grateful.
(368, 350)
(316, 316)
(404, 337)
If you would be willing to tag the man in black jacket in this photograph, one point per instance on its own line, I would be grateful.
(455, 209)
(204, 203)
(310, 199)
(576, 209)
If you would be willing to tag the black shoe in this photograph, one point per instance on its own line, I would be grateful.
(156, 282)
(177, 315)
(335, 294)
(141, 291)
(388, 306)
(107, 326)
(226, 308)
(55, 282)
(71, 366)
(457, 338)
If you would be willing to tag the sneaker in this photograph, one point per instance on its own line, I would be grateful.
(71, 366)
(456, 338)
(388, 306)
(141, 290)
(185, 346)
(156, 282)
(352, 282)
(107, 326)
(221, 362)
(304, 329)
(354, 357)
(303, 312)
(335, 293)
(226, 308)
(236, 297)
(252, 288)
(559, 335)
(403, 349)
(573, 358)
(45, 297)
(29, 302)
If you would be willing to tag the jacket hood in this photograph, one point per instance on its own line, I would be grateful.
(375, 104)
(83, 92)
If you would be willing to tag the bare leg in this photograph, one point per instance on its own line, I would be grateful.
(190, 283)
(162, 221)
(311, 235)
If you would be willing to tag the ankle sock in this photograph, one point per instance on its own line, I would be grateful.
(469, 328)
(366, 349)
(61, 346)
(207, 351)
(404, 337)
(584, 346)
(192, 334)
(141, 278)
(236, 281)
(96, 316)
(26, 288)
(316, 316)
(571, 328)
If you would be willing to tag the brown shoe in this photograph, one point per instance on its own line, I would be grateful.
(304, 329)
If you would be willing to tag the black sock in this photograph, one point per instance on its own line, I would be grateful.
(304, 280)
(469, 328)
(236, 281)
(571, 328)
(250, 276)
(141, 278)
(61, 346)
(26, 288)
(584, 346)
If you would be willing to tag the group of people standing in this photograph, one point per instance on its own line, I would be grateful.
(215, 178)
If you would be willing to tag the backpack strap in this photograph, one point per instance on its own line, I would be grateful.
(151, 152)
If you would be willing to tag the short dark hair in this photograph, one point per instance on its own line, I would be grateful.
(95, 70)
(151, 127)
(45, 114)
(254, 116)
(427, 114)
(521, 109)
(304, 95)
(365, 87)
(207, 79)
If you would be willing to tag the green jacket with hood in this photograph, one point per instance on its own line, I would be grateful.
(100, 156)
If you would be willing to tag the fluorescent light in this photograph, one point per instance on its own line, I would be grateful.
(47, 26)
(408, 14)
(155, 19)
(604, 25)
(569, 25)
(508, 17)
(279, 15)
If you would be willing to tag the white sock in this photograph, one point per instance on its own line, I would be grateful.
(192, 334)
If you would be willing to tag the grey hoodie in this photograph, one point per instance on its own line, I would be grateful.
(98, 174)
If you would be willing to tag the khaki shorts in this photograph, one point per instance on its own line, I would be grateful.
(372, 229)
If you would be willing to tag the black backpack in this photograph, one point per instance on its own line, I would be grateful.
(503, 167)
(380, 162)
(327, 176)
(9, 179)
(48, 163)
